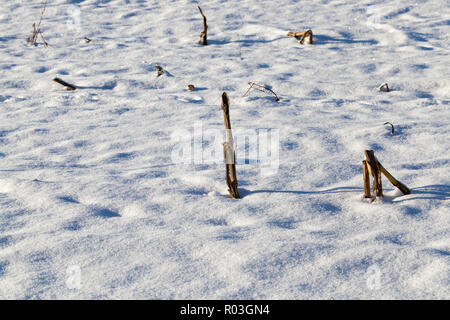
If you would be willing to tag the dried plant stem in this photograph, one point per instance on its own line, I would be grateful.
(374, 170)
(67, 85)
(404, 189)
(37, 29)
(261, 88)
(392, 126)
(228, 151)
(159, 70)
(204, 34)
(373, 167)
(302, 36)
(366, 179)
(384, 87)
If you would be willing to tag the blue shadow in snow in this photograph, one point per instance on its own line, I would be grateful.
(67, 199)
(243, 42)
(105, 213)
(322, 39)
(5, 241)
(3, 265)
(244, 192)
(432, 192)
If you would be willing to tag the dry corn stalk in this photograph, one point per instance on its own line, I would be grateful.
(375, 172)
(159, 70)
(404, 189)
(373, 167)
(384, 87)
(228, 151)
(204, 34)
(302, 36)
(366, 179)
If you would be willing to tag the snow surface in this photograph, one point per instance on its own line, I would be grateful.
(92, 205)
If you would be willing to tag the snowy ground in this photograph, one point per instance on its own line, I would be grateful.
(92, 205)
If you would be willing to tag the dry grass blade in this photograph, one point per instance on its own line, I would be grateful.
(37, 29)
(261, 88)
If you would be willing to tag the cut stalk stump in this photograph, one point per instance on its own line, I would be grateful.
(228, 151)
(373, 167)
(159, 70)
(366, 179)
(375, 172)
(302, 36)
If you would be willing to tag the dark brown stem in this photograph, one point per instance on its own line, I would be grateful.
(375, 172)
(392, 126)
(159, 70)
(404, 189)
(204, 34)
(67, 85)
(228, 151)
(385, 87)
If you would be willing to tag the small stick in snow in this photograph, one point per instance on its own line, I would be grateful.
(67, 85)
(374, 169)
(204, 34)
(391, 126)
(306, 35)
(159, 70)
(261, 88)
(228, 151)
(366, 180)
(87, 39)
(384, 87)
